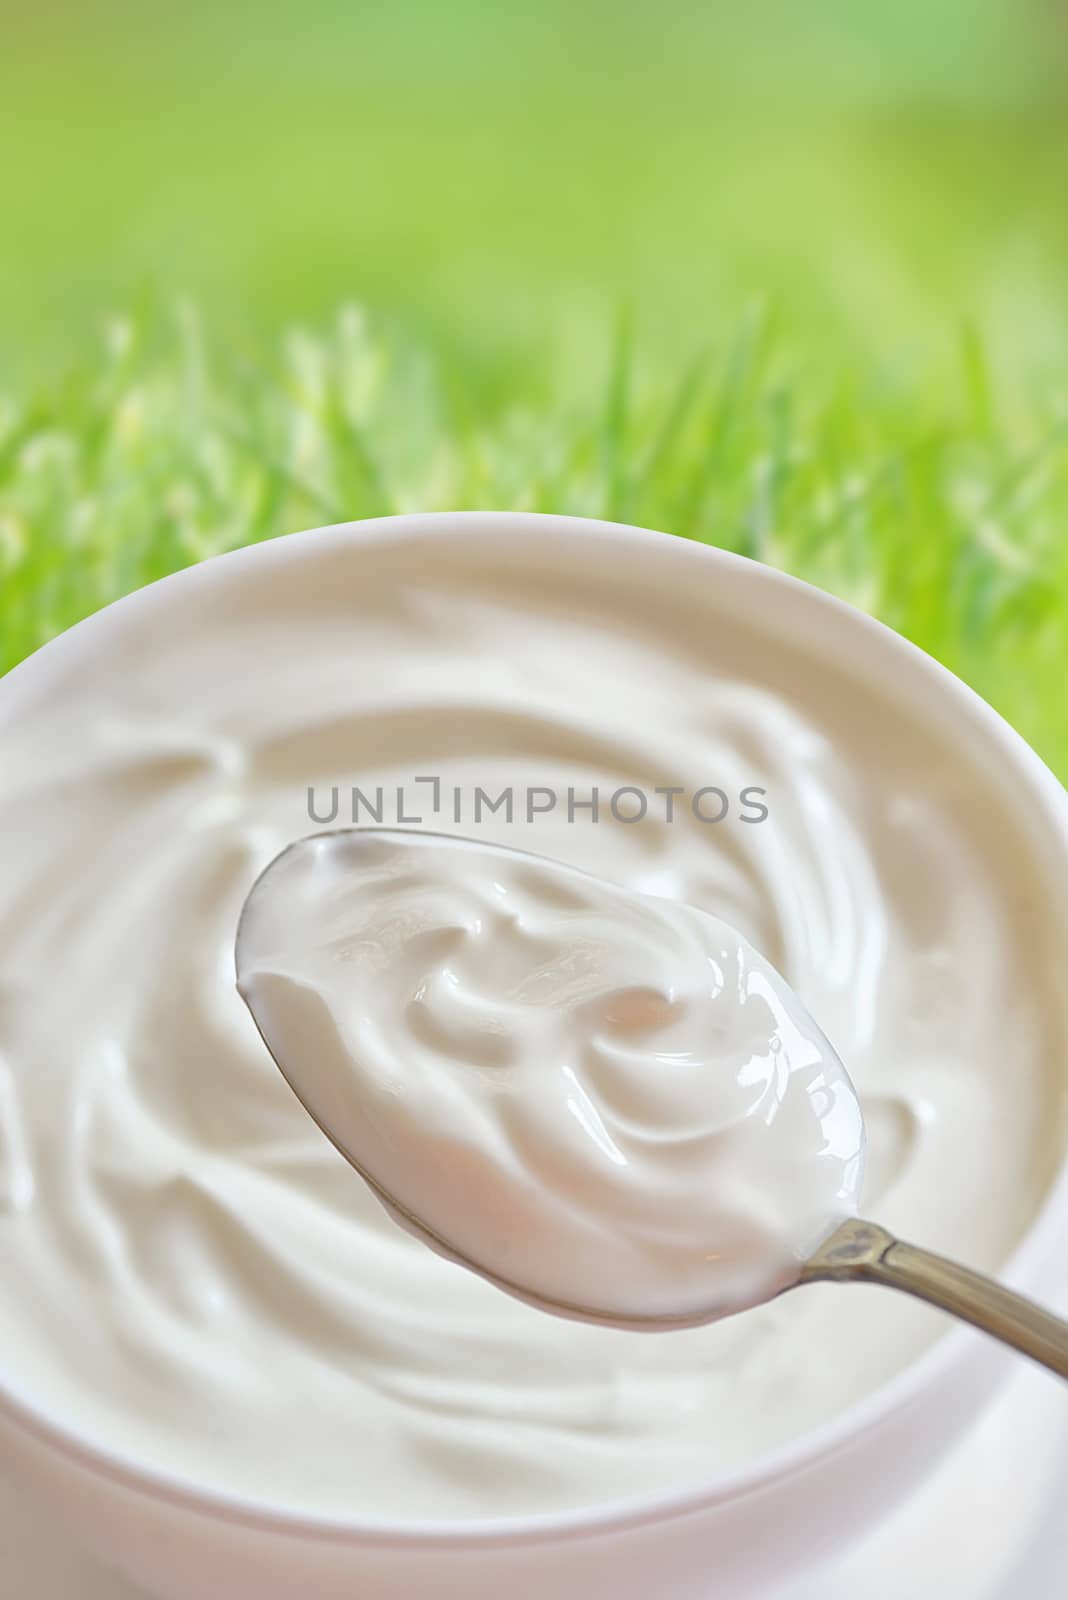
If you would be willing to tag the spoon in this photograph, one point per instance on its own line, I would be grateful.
(351, 937)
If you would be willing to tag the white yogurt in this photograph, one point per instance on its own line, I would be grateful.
(604, 1100)
(193, 1277)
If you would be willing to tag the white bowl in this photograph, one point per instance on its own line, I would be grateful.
(730, 1536)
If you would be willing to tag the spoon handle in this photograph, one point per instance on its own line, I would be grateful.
(861, 1252)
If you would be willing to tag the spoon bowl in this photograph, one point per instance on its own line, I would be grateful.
(607, 1101)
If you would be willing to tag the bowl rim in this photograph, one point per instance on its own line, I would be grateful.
(724, 1486)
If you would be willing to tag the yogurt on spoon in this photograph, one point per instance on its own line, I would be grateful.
(607, 1102)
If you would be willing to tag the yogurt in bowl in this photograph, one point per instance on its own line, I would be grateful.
(215, 1347)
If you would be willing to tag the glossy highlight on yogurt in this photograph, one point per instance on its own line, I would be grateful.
(607, 1101)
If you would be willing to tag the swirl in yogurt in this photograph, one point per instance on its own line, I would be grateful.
(607, 1101)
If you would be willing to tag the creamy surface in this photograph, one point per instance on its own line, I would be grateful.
(604, 1100)
(193, 1277)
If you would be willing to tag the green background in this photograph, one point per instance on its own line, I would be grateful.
(788, 276)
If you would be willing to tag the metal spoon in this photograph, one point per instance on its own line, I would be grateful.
(857, 1252)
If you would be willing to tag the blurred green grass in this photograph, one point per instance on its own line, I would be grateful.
(502, 173)
(789, 278)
